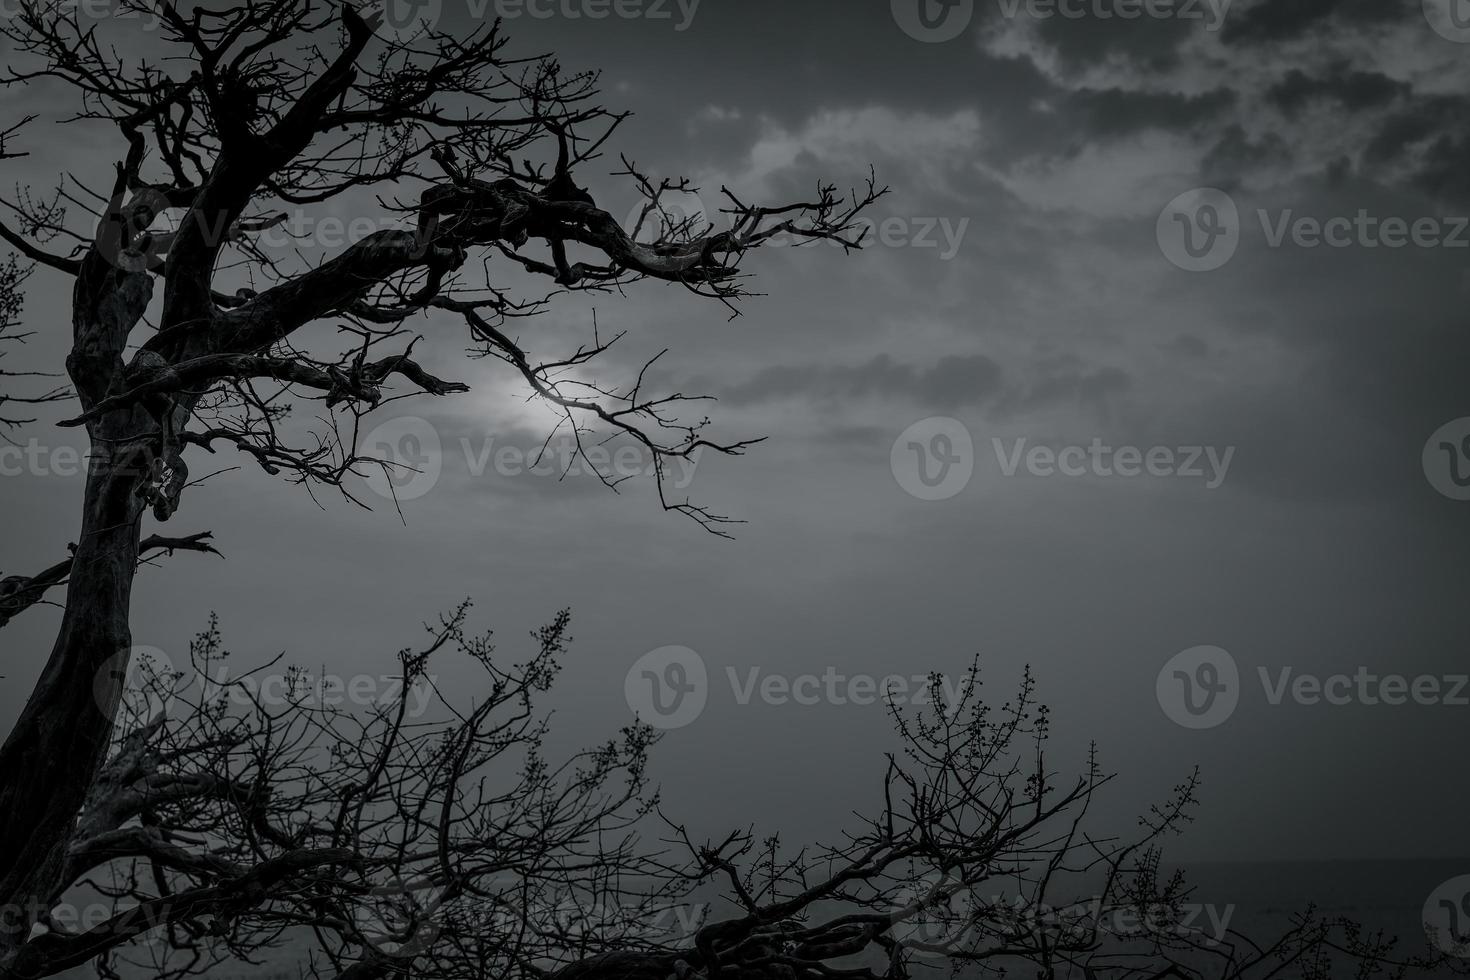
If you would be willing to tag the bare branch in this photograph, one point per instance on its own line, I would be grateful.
(19, 592)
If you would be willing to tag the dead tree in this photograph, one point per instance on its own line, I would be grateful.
(229, 819)
(13, 400)
(12, 279)
(429, 836)
(187, 337)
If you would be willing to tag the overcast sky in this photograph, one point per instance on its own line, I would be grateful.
(1037, 278)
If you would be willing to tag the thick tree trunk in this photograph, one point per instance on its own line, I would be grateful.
(60, 740)
(61, 737)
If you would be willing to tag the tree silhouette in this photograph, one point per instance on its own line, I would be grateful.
(13, 414)
(186, 335)
(420, 835)
(216, 823)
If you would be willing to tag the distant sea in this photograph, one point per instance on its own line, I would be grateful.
(1379, 894)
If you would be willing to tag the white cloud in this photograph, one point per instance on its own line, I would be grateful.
(929, 145)
(718, 114)
(1120, 179)
(1405, 51)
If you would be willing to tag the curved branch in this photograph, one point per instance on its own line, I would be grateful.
(51, 952)
(19, 592)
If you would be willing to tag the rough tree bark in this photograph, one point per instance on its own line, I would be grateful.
(60, 739)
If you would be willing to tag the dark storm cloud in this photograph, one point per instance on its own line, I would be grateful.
(1442, 172)
(1114, 112)
(1067, 380)
(771, 58)
(1430, 135)
(1268, 21)
(1235, 154)
(952, 381)
(1348, 88)
(1420, 120)
(1151, 44)
(1032, 114)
